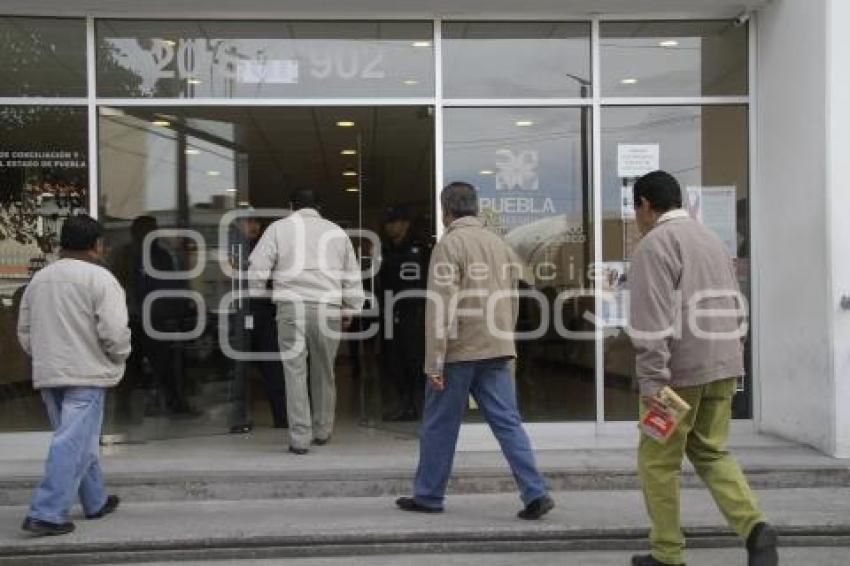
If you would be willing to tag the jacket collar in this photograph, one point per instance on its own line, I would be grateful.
(465, 222)
(675, 214)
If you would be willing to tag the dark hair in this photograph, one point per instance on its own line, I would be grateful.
(142, 226)
(459, 199)
(661, 189)
(303, 197)
(80, 233)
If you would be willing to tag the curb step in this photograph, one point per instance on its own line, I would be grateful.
(381, 483)
(305, 546)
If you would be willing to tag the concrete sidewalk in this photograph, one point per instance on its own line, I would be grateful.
(586, 520)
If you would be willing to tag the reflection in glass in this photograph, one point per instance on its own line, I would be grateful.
(706, 148)
(216, 59)
(43, 180)
(516, 59)
(531, 170)
(42, 57)
(674, 58)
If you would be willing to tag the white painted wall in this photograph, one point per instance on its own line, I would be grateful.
(790, 219)
(838, 120)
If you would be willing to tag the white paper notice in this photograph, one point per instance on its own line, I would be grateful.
(715, 207)
(614, 306)
(636, 160)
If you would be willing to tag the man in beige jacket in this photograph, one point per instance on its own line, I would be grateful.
(73, 322)
(469, 327)
(687, 324)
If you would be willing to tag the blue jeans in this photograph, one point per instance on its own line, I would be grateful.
(72, 468)
(492, 386)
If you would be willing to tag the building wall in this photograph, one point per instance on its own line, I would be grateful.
(790, 213)
(838, 121)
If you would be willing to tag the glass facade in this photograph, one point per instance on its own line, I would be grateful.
(356, 109)
(43, 179)
(217, 59)
(707, 149)
(206, 164)
(516, 60)
(42, 57)
(682, 58)
(532, 170)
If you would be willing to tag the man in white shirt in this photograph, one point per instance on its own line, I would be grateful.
(317, 287)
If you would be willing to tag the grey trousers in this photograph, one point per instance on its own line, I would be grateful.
(309, 336)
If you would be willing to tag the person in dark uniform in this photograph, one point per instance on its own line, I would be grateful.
(262, 339)
(404, 267)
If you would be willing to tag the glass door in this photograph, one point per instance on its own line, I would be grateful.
(186, 192)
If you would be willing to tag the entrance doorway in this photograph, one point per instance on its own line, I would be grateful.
(183, 170)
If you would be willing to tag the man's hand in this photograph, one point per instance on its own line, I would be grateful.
(437, 381)
(654, 403)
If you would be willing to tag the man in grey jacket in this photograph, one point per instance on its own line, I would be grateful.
(469, 327)
(687, 324)
(73, 323)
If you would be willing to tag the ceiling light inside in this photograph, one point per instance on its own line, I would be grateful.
(629, 81)
(421, 44)
(170, 42)
(524, 123)
(411, 82)
(192, 151)
(352, 190)
(231, 190)
(213, 173)
(161, 123)
(669, 43)
(194, 81)
(349, 173)
(345, 124)
(348, 152)
(485, 172)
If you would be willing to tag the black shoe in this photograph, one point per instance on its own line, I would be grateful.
(762, 546)
(241, 429)
(537, 508)
(110, 506)
(321, 441)
(298, 451)
(648, 560)
(410, 504)
(45, 528)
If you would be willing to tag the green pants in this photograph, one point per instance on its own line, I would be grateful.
(702, 435)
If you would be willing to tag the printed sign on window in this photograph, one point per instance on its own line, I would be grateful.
(636, 160)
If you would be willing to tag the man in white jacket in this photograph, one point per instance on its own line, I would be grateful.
(317, 287)
(73, 323)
